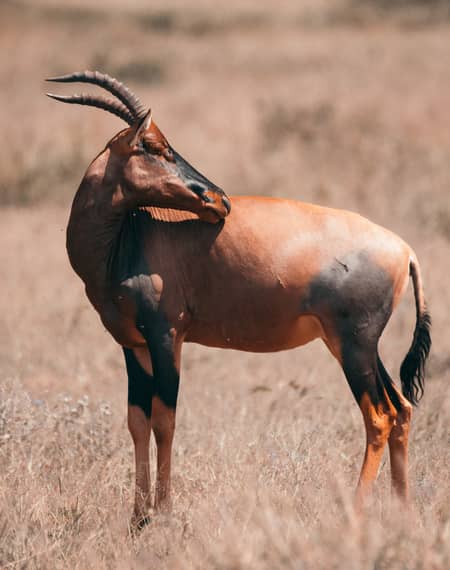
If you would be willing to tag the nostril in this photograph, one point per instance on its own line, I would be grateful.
(208, 195)
(226, 203)
(197, 187)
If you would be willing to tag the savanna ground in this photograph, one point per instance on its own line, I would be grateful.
(343, 103)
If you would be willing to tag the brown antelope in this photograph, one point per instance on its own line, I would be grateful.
(165, 259)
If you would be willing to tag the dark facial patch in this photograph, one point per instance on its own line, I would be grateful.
(353, 299)
(191, 177)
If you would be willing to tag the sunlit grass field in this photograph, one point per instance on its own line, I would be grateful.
(340, 103)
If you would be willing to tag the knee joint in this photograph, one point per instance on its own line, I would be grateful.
(138, 424)
(379, 426)
(406, 412)
(163, 426)
(402, 422)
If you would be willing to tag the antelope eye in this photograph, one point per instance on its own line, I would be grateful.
(168, 155)
(147, 146)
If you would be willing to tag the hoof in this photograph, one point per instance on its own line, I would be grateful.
(137, 523)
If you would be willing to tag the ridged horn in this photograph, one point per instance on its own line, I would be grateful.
(115, 87)
(109, 105)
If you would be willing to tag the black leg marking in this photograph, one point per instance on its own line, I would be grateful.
(360, 370)
(141, 386)
(137, 285)
(389, 385)
(160, 342)
(155, 328)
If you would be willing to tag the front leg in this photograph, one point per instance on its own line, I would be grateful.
(164, 345)
(165, 349)
(166, 356)
(140, 395)
(163, 425)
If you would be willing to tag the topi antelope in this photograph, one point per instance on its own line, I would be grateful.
(165, 259)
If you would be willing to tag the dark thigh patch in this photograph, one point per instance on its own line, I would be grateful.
(353, 299)
(354, 296)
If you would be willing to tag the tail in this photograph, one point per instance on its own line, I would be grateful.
(412, 370)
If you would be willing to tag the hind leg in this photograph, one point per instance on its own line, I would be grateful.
(398, 440)
(359, 363)
(398, 450)
(378, 420)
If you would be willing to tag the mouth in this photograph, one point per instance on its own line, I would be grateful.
(217, 204)
(211, 215)
(226, 202)
(213, 200)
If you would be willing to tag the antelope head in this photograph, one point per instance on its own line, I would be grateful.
(139, 165)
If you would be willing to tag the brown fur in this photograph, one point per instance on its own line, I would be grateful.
(274, 275)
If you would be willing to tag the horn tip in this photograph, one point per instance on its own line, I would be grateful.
(60, 78)
(67, 78)
(72, 77)
(57, 97)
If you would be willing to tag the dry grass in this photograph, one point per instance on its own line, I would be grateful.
(321, 101)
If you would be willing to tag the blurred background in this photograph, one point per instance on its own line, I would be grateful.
(344, 103)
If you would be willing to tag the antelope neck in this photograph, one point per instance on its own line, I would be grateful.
(92, 236)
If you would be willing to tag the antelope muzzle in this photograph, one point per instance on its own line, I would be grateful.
(215, 203)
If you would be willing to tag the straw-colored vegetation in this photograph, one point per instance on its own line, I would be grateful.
(337, 102)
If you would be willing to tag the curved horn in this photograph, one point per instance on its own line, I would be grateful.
(115, 87)
(110, 105)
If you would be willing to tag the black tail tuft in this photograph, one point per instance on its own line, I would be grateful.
(413, 367)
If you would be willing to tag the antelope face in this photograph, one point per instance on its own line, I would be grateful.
(139, 165)
(155, 174)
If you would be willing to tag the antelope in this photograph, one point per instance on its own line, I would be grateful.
(167, 257)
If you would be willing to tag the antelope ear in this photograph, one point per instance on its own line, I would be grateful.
(142, 127)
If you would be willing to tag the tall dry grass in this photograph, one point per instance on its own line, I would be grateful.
(319, 101)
